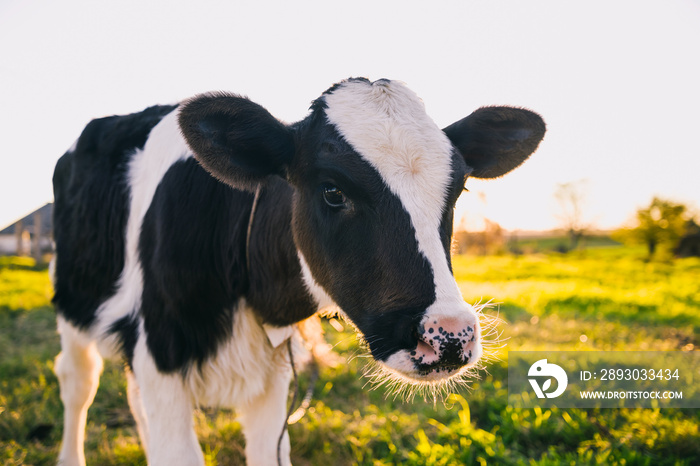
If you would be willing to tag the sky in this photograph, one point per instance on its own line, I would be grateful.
(618, 83)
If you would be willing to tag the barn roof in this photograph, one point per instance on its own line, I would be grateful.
(46, 212)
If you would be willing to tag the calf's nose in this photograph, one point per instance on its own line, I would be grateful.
(446, 343)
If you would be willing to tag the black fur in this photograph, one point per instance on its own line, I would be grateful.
(192, 250)
(127, 331)
(460, 173)
(276, 289)
(236, 140)
(365, 256)
(193, 255)
(192, 245)
(91, 210)
(496, 140)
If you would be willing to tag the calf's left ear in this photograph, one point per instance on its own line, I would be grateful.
(235, 139)
(495, 140)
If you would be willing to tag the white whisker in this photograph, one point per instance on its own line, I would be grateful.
(399, 386)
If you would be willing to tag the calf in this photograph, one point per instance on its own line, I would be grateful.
(188, 238)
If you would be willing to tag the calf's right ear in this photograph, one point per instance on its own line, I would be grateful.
(236, 140)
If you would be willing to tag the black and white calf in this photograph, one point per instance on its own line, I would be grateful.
(158, 260)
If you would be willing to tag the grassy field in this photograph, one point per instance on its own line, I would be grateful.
(604, 298)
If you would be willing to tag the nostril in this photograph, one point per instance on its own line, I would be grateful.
(424, 348)
(429, 337)
(424, 354)
(445, 343)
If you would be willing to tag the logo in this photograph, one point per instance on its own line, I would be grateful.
(542, 369)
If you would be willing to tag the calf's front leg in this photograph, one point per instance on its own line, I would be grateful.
(168, 408)
(262, 420)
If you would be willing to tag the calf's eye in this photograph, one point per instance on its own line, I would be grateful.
(333, 196)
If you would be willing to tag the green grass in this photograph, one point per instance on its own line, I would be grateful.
(553, 243)
(549, 302)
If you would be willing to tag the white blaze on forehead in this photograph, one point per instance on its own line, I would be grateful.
(386, 123)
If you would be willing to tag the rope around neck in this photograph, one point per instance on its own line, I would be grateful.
(298, 413)
(253, 209)
(291, 406)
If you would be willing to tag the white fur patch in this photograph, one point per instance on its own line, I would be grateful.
(323, 300)
(386, 123)
(168, 407)
(164, 147)
(74, 335)
(243, 366)
(78, 369)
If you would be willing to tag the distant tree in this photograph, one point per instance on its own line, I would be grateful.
(689, 244)
(488, 241)
(460, 241)
(661, 225)
(514, 245)
(491, 240)
(572, 198)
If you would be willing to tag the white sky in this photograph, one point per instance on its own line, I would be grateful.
(618, 83)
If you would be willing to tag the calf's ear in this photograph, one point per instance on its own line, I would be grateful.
(495, 140)
(236, 140)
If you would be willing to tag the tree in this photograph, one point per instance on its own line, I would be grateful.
(572, 197)
(488, 241)
(662, 224)
(689, 244)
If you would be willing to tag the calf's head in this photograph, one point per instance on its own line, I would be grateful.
(375, 183)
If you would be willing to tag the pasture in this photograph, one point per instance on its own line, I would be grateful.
(597, 299)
